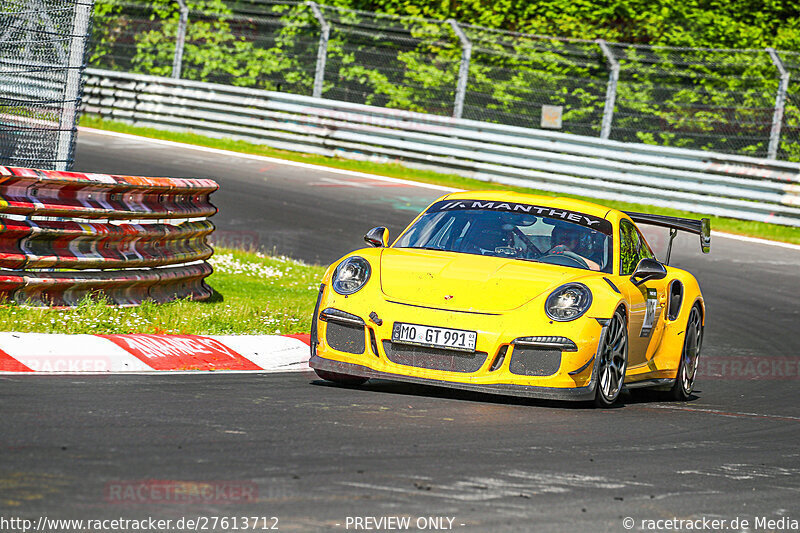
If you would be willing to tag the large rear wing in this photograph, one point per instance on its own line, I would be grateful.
(700, 227)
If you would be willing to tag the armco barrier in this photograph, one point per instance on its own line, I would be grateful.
(66, 235)
(705, 182)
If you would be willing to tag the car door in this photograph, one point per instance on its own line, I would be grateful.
(659, 311)
(646, 300)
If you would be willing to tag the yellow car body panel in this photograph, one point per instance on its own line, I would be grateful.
(502, 299)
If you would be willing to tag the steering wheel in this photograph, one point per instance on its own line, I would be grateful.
(562, 251)
(532, 251)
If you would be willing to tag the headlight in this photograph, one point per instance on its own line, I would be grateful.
(568, 302)
(351, 275)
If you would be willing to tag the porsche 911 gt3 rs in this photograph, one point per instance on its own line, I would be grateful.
(516, 294)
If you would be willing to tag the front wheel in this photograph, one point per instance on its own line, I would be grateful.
(687, 369)
(612, 361)
(341, 379)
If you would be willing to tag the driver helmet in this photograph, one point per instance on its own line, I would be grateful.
(569, 236)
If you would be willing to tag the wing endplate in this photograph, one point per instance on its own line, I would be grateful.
(700, 227)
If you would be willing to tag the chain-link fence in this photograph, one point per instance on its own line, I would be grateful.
(734, 101)
(790, 132)
(42, 56)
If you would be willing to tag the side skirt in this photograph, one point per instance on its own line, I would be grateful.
(659, 383)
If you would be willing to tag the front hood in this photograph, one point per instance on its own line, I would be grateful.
(464, 282)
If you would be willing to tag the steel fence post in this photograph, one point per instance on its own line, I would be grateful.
(780, 102)
(180, 39)
(75, 63)
(463, 68)
(611, 89)
(322, 50)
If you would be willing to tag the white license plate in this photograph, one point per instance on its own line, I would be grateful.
(453, 339)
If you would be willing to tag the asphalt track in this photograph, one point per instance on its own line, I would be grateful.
(318, 454)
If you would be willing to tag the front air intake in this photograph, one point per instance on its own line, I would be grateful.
(531, 361)
(433, 358)
(345, 337)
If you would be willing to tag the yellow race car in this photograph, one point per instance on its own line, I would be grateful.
(516, 294)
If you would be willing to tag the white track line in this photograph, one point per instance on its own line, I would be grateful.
(690, 409)
(354, 173)
(756, 240)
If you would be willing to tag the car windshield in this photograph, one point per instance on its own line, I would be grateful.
(511, 230)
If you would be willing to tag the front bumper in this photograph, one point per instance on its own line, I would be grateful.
(575, 377)
(584, 393)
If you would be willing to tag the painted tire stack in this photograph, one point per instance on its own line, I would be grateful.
(65, 235)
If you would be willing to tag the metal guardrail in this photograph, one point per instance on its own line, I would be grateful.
(692, 180)
(66, 235)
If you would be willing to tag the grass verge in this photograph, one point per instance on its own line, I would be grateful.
(395, 170)
(259, 295)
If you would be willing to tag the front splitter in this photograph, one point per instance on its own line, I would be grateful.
(584, 393)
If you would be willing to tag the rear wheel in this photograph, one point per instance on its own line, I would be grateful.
(342, 379)
(612, 361)
(687, 369)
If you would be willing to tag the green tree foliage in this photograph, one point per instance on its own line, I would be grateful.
(407, 57)
(689, 23)
(220, 45)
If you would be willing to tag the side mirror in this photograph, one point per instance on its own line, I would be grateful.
(646, 270)
(377, 237)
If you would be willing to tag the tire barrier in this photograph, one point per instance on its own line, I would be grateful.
(53, 244)
(67, 235)
(26, 191)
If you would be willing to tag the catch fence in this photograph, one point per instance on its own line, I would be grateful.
(42, 57)
(744, 102)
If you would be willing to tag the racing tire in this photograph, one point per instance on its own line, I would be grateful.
(341, 379)
(612, 361)
(690, 354)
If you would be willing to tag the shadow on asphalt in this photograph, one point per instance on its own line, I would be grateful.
(413, 389)
(380, 386)
(645, 396)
